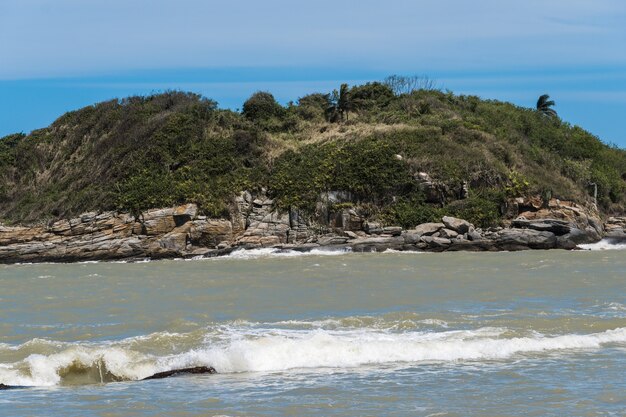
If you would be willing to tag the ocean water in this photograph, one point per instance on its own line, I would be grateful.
(537, 333)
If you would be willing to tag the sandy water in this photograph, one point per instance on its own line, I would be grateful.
(540, 333)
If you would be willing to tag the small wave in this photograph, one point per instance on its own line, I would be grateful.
(605, 244)
(387, 322)
(281, 253)
(278, 350)
(616, 306)
(405, 252)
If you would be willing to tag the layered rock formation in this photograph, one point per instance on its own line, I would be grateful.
(157, 233)
(181, 232)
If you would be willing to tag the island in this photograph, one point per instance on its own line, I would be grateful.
(366, 168)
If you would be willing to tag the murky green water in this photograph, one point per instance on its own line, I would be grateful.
(454, 334)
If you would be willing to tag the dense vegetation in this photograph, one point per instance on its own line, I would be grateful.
(371, 141)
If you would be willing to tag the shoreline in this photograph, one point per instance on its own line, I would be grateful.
(179, 232)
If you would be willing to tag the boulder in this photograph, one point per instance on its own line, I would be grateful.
(411, 237)
(478, 245)
(376, 244)
(350, 234)
(458, 225)
(558, 227)
(436, 242)
(392, 230)
(372, 228)
(448, 233)
(427, 229)
(473, 235)
(520, 239)
(332, 240)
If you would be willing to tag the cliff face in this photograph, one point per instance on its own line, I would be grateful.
(181, 232)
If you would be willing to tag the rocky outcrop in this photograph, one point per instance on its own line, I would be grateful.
(264, 225)
(520, 239)
(182, 232)
(616, 227)
(170, 232)
(434, 191)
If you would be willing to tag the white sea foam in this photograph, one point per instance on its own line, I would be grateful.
(272, 350)
(616, 306)
(278, 253)
(404, 252)
(604, 244)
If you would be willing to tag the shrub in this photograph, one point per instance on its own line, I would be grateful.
(410, 211)
(262, 106)
(480, 210)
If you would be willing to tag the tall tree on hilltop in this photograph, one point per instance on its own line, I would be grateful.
(544, 106)
(340, 104)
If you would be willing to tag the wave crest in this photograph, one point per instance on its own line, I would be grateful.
(282, 350)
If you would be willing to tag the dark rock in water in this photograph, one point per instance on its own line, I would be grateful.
(7, 387)
(176, 372)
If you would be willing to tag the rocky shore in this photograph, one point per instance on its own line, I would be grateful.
(179, 232)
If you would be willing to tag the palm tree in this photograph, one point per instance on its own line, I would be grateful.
(544, 106)
(340, 104)
(345, 100)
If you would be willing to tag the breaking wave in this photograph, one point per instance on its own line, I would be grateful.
(247, 349)
(605, 244)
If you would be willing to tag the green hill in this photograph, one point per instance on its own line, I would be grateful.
(376, 146)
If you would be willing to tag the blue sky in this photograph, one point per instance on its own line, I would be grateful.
(59, 55)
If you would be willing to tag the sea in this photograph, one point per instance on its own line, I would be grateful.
(534, 333)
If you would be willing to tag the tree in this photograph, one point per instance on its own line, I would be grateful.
(371, 96)
(340, 104)
(544, 106)
(262, 106)
(313, 106)
(401, 84)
